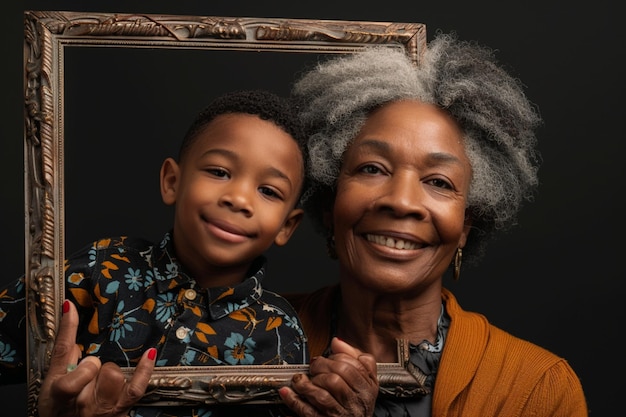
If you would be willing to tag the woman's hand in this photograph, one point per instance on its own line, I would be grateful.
(344, 384)
(89, 389)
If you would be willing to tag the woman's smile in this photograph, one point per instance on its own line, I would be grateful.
(391, 242)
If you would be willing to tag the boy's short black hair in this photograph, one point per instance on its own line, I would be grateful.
(262, 103)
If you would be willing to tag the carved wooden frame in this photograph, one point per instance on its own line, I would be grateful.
(46, 34)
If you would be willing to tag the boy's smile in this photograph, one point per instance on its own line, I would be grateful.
(235, 192)
(227, 231)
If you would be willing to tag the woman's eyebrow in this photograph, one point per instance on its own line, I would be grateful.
(382, 146)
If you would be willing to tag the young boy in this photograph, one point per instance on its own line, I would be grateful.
(197, 296)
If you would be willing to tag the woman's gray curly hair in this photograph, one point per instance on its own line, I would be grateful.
(497, 119)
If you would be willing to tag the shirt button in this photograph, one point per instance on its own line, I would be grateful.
(181, 332)
(190, 294)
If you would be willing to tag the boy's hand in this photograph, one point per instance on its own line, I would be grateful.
(89, 389)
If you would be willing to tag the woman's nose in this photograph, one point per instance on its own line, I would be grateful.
(404, 195)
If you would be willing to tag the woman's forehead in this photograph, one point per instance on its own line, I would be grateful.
(413, 121)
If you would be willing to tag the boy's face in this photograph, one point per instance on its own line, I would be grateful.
(235, 191)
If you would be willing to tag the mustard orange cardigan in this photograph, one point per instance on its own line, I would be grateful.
(484, 371)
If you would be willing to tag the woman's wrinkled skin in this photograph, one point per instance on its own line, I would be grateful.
(398, 219)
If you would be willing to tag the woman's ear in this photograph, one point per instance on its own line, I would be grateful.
(467, 226)
(170, 175)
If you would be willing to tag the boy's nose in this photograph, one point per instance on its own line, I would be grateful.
(237, 199)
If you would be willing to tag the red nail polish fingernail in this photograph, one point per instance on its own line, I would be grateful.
(152, 353)
(66, 306)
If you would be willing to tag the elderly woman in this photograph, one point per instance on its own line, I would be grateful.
(412, 170)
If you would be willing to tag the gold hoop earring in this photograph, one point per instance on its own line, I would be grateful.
(457, 263)
(331, 249)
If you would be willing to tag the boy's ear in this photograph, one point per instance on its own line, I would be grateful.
(293, 220)
(170, 175)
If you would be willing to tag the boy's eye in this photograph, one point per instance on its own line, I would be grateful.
(269, 192)
(218, 172)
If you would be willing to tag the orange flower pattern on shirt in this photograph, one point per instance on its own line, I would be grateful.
(132, 294)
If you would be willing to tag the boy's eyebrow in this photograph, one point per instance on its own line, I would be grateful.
(273, 171)
(278, 173)
(224, 152)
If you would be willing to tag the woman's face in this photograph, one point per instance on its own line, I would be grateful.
(399, 213)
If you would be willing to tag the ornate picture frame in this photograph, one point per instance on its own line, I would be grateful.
(47, 34)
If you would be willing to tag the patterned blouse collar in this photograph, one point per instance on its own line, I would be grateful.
(219, 301)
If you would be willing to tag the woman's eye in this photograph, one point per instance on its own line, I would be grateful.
(370, 169)
(441, 183)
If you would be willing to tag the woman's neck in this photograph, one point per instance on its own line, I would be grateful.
(373, 322)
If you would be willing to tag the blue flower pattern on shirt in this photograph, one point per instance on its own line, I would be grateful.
(134, 279)
(132, 295)
(240, 352)
(7, 353)
(165, 307)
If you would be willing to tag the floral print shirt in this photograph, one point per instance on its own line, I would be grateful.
(132, 295)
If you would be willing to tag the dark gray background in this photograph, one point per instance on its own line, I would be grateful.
(556, 280)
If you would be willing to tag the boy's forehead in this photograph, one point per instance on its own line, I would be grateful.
(240, 125)
(232, 128)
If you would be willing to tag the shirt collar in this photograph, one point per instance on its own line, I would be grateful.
(220, 301)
